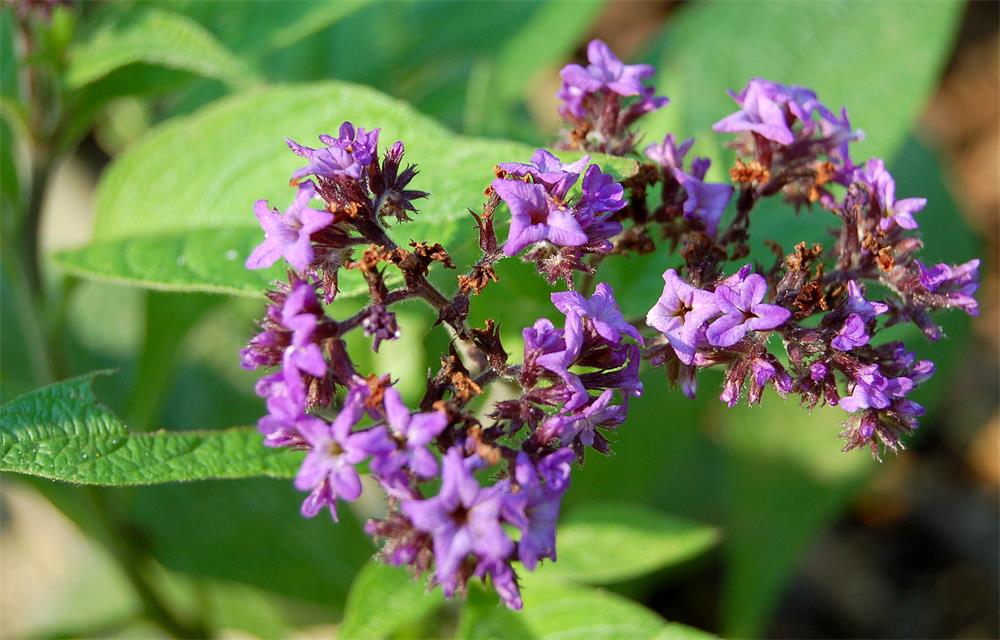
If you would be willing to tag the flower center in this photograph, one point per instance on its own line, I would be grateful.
(539, 216)
(335, 449)
(460, 515)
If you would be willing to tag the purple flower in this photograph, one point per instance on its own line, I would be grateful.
(762, 111)
(874, 390)
(601, 310)
(763, 371)
(852, 335)
(680, 313)
(409, 434)
(463, 518)
(743, 309)
(625, 378)
(605, 71)
(564, 356)
(504, 580)
(956, 283)
(542, 504)
(668, 154)
(857, 304)
(288, 236)
(601, 194)
(584, 422)
(303, 354)
(549, 171)
(328, 469)
(347, 155)
(883, 185)
(534, 218)
(705, 201)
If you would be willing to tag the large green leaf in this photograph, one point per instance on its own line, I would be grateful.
(62, 432)
(879, 59)
(384, 598)
(555, 609)
(639, 539)
(153, 36)
(499, 85)
(175, 212)
(784, 486)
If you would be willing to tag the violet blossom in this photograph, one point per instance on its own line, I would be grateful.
(288, 236)
(463, 519)
(743, 309)
(680, 314)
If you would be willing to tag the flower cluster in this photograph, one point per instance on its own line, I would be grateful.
(807, 326)
(790, 143)
(318, 402)
(601, 101)
(559, 230)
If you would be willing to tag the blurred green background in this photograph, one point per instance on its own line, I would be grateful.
(815, 543)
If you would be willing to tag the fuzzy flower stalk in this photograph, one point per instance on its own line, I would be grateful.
(475, 490)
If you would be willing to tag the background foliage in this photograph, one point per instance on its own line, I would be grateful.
(191, 101)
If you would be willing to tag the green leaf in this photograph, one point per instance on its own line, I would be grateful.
(639, 539)
(498, 85)
(61, 432)
(186, 223)
(901, 46)
(256, 28)
(783, 484)
(383, 599)
(152, 36)
(677, 631)
(554, 609)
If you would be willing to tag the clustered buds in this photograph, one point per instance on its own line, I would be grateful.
(571, 387)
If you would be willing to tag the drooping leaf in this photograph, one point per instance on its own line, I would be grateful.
(384, 598)
(555, 609)
(62, 432)
(175, 211)
(612, 542)
(154, 36)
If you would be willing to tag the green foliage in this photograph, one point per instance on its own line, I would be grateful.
(152, 36)
(612, 542)
(822, 46)
(384, 598)
(197, 238)
(555, 609)
(62, 432)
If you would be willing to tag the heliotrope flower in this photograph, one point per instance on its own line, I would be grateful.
(741, 303)
(409, 434)
(601, 310)
(680, 314)
(533, 217)
(543, 488)
(605, 71)
(463, 519)
(705, 202)
(347, 155)
(956, 284)
(899, 212)
(668, 154)
(288, 236)
(549, 171)
(328, 471)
